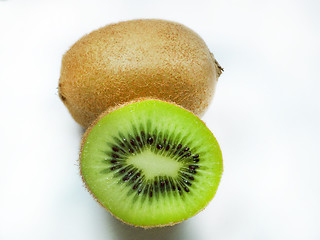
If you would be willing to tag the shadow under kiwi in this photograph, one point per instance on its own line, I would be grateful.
(123, 231)
(81, 131)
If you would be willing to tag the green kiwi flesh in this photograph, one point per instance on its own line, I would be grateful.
(151, 163)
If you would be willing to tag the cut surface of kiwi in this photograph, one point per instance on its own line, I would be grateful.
(151, 163)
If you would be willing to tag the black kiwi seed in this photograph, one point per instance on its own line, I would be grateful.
(130, 173)
(173, 187)
(159, 146)
(150, 140)
(184, 186)
(139, 141)
(142, 134)
(193, 166)
(115, 167)
(127, 145)
(137, 175)
(151, 191)
(186, 182)
(137, 185)
(167, 182)
(125, 178)
(192, 171)
(134, 178)
(162, 184)
(179, 188)
(115, 149)
(146, 189)
(188, 154)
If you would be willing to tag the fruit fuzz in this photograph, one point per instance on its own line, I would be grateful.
(133, 59)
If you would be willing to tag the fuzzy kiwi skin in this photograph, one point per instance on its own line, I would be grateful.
(83, 141)
(134, 59)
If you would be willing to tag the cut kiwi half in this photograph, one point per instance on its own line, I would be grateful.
(151, 163)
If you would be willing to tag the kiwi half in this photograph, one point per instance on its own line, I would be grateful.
(151, 163)
(136, 59)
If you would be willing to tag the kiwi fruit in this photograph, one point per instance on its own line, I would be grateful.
(137, 59)
(150, 163)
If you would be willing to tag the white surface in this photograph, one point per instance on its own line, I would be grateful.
(265, 116)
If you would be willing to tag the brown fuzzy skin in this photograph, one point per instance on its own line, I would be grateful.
(134, 59)
(84, 139)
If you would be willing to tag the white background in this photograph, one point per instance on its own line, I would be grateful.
(265, 115)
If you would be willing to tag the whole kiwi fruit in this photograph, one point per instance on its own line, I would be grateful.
(136, 59)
